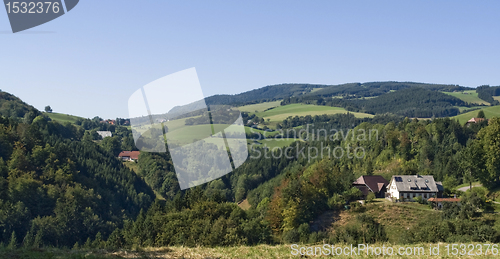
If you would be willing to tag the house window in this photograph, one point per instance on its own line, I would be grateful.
(406, 195)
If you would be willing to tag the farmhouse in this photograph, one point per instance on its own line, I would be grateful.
(371, 183)
(407, 187)
(475, 120)
(129, 155)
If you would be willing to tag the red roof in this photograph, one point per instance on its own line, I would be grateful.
(444, 199)
(132, 154)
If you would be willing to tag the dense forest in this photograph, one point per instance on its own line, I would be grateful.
(60, 187)
(377, 88)
(486, 93)
(409, 102)
(308, 92)
(13, 107)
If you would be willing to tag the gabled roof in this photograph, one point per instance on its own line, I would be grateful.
(374, 182)
(440, 186)
(132, 154)
(415, 183)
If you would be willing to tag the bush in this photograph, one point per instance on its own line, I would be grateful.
(291, 236)
(419, 199)
(370, 197)
(352, 194)
(336, 201)
(304, 232)
(357, 207)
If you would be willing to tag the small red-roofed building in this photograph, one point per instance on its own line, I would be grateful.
(438, 202)
(129, 155)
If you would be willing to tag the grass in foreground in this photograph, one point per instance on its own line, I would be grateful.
(260, 251)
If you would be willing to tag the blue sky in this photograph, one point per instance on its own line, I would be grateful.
(89, 61)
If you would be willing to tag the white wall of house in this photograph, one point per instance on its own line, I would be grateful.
(393, 190)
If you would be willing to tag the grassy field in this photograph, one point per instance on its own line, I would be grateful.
(62, 118)
(469, 96)
(395, 217)
(493, 111)
(316, 89)
(260, 107)
(283, 112)
(260, 252)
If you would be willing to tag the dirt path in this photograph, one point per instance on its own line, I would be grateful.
(464, 189)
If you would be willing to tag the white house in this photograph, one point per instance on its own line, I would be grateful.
(407, 187)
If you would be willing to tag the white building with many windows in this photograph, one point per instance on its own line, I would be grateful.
(407, 187)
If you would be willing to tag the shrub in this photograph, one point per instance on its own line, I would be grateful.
(370, 197)
(419, 199)
(336, 201)
(291, 236)
(304, 232)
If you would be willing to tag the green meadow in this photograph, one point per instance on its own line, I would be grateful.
(62, 118)
(469, 96)
(282, 112)
(492, 111)
(259, 107)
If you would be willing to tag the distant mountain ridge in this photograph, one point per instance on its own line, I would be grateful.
(315, 92)
(281, 91)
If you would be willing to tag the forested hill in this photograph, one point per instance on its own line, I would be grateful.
(11, 106)
(411, 102)
(308, 91)
(268, 93)
(58, 184)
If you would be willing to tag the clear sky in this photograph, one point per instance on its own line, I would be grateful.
(89, 61)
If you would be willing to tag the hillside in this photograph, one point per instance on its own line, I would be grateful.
(469, 96)
(60, 117)
(376, 88)
(412, 102)
(60, 185)
(260, 107)
(489, 112)
(65, 185)
(268, 93)
(308, 93)
(282, 112)
(13, 107)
